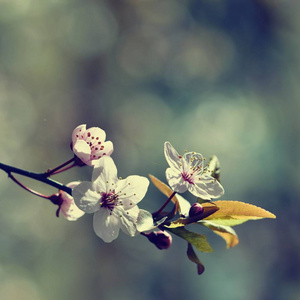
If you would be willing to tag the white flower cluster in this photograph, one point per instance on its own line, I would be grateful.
(114, 201)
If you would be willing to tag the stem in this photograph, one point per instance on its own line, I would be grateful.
(42, 177)
(164, 205)
(54, 171)
(13, 178)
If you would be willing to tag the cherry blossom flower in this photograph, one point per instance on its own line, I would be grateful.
(68, 207)
(89, 145)
(187, 173)
(112, 200)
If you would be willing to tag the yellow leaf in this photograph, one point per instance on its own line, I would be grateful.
(236, 210)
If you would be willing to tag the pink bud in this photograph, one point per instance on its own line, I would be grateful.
(195, 210)
(161, 239)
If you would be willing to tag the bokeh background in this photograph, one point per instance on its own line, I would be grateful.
(215, 76)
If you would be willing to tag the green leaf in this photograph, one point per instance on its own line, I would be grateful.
(194, 258)
(226, 232)
(196, 239)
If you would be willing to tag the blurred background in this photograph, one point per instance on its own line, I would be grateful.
(214, 76)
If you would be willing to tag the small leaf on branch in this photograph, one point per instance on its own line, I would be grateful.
(196, 239)
(226, 232)
(236, 212)
(194, 258)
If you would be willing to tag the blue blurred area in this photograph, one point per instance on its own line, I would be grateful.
(217, 77)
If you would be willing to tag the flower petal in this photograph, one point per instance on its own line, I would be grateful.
(67, 197)
(106, 149)
(176, 181)
(86, 197)
(199, 190)
(128, 219)
(172, 156)
(105, 174)
(184, 205)
(211, 186)
(106, 225)
(68, 207)
(82, 150)
(71, 211)
(94, 133)
(78, 132)
(132, 190)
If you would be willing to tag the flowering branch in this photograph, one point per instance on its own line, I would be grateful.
(42, 177)
(113, 200)
(13, 178)
(60, 169)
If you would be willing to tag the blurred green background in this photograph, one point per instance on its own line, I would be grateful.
(214, 76)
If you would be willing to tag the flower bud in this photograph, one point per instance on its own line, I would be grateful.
(195, 210)
(161, 239)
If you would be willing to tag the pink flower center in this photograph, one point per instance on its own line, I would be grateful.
(109, 200)
(188, 177)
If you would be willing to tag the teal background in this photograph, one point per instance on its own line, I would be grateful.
(217, 77)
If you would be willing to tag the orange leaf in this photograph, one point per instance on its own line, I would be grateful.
(230, 239)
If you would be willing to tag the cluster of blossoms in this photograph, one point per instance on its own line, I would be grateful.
(114, 201)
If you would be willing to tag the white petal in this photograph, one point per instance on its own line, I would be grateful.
(71, 211)
(106, 225)
(184, 205)
(172, 156)
(132, 190)
(128, 219)
(93, 133)
(199, 190)
(107, 150)
(82, 150)
(211, 186)
(85, 197)
(105, 174)
(68, 208)
(67, 197)
(176, 181)
(77, 132)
